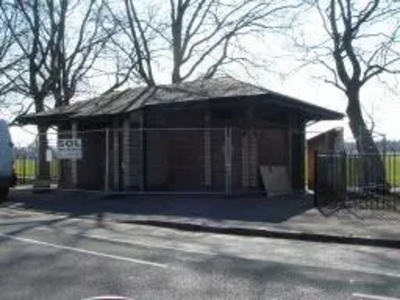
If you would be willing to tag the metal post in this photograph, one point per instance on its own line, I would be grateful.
(207, 151)
(23, 169)
(228, 161)
(126, 153)
(385, 164)
(316, 178)
(253, 163)
(37, 160)
(394, 185)
(344, 178)
(290, 148)
(307, 174)
(245, 156)
(143, 153)
(74, 162)
(107, 166)
(116, 160)
(142, 160)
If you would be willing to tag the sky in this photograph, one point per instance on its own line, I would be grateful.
(383, 105)
(306, 84)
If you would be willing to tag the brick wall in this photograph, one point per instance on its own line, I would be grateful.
(157, 158)
(192, 159)
(91, 168)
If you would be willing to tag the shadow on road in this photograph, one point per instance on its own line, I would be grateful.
(251, 209)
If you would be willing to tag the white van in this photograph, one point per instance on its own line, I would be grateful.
(7, 176)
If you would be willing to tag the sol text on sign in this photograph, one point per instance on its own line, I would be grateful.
(69, 149)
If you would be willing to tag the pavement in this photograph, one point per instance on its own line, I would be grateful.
(49, 256)
(281, 217)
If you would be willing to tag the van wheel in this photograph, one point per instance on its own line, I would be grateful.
(4, 193)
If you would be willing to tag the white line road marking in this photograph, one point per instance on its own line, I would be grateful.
(42, 228)
(149, 245)
(108, 298)
(79, 250)
(203, 252)
(379, 273)
(372, 297)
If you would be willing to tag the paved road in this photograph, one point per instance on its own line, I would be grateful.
(52, 257)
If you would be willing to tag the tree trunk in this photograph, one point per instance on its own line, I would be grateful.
(177, 53)
(43, 174)
(372, 172)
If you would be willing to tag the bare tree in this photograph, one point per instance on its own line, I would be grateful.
(131, 46)
(360, 44)
(30, 36)
(10, 59)
(194, 38)
(5, 45)
(72, 58)
(61, 41)
(201, 29)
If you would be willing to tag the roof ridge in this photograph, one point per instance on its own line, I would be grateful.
(252, 84)
(184, 89)
(151, 89)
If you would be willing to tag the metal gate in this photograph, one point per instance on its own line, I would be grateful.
(329, 180)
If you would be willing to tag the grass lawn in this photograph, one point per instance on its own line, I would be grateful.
(392, 166)
(393, 169)
(26, 169)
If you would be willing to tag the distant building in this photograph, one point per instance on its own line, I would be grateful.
(326, 142)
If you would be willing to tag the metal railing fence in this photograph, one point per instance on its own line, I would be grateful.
(363, 181)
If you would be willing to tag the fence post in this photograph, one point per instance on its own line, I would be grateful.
(395, 183)
(228, 161)
(143, 164)
(74, 162)
(344, 178)
(207, 151)
(36, 172)
(107, 166)
(126, 155)
(24, 160)
(116, 156)
(316, 178)
(143, 152)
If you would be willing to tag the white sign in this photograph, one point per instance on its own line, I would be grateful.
(69, 149)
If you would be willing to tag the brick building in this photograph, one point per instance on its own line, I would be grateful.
(203, 136)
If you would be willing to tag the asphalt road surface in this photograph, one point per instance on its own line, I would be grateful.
(53, 257)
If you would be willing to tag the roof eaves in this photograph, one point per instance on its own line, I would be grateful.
(337, 130)
(320, 113)
(298, 102)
